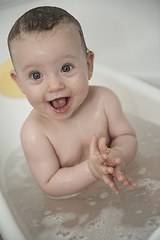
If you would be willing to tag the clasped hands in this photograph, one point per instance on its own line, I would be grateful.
(108, 164)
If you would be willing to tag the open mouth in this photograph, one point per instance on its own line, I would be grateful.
(60, 105)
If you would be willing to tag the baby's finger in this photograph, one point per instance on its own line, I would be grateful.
(105, 170)
(121, 177)
(94, 145)
(131, 182)
(103, 147)
(109, 180)
(101, 160)
(112, 162)
(124, 179)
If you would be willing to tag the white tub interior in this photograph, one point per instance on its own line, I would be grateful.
(121, 41)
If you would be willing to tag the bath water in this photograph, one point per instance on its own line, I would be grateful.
(96, 213)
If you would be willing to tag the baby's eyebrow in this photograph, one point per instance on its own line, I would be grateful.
(67, 56)
(29, 66)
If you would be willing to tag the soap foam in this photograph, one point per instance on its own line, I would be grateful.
(152, 185)
(142, 171)
(51, 220)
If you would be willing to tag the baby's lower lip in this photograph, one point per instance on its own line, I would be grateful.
(63, 109)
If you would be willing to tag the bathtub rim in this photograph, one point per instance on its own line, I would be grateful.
(9, 220)
(155, 235)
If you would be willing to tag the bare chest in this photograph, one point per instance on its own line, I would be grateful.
(72, 141)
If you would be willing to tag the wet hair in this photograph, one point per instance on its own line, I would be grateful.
(40, 19)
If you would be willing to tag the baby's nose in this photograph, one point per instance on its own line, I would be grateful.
(55, 84)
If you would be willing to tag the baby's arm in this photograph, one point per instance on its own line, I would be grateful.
(123, 141)
(45, 166)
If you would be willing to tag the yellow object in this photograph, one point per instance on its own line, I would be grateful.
(7, 86)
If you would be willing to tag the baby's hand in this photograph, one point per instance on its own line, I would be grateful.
(114, 159)
(95, 161)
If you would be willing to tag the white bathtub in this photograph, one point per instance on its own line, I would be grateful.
(137, 97)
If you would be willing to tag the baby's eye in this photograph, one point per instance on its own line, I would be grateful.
(66, 68)
(36, 75)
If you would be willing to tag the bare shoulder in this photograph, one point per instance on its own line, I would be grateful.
(103, 92)
(31, 130)
(108, 101)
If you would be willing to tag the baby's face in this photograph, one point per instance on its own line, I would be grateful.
(52, 69)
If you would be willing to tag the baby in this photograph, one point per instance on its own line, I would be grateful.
(76, 133)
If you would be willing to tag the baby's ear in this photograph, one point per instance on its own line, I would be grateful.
(90, 63)
(15, 78)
